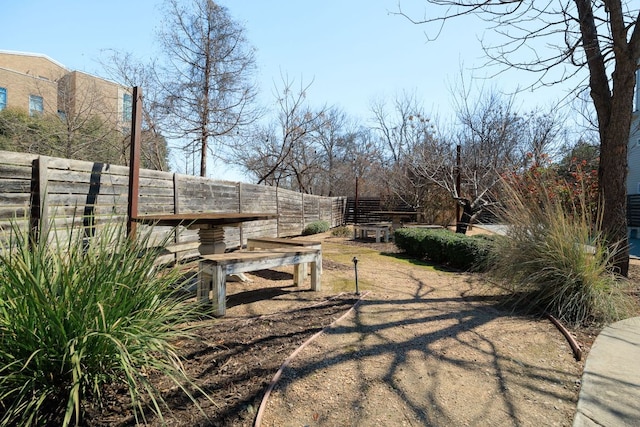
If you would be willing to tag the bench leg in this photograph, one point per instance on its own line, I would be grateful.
(386, 235)
(219, 297)
(299, 273)
(377, 236)
(204, 283)
(315, 274)
(298, 276)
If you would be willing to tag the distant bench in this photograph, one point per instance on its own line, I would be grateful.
(213, 270)
(380, 229)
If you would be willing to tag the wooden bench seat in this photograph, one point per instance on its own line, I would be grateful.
(279, 242)
(254, 243)
(213, 270)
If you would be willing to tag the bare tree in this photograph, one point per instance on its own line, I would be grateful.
(88, 124)
(363, 162)
(124, 68)
(600, 37)
(208, 75)
(284, 153)
(491, 139)
(404, 129)
(330, 141)
(400, 125)
(84, 126)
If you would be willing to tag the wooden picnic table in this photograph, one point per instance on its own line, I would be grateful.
(210, 225)
(398, 216)
(381, 230)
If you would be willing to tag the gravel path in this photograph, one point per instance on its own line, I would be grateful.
(428, 347)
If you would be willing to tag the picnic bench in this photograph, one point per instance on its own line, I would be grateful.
(214, 268)
(398, 218)
(254, 243)
(380, 229)
(279, 242)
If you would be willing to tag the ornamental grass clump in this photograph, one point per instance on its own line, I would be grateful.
(79, 314)
(554, 260)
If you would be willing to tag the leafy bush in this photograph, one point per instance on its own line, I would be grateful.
(316, 227)
(342, 231)
(554, 260)
(445, 247)
(77, 315)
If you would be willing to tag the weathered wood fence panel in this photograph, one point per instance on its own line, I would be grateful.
(15, 184)
(310, 208)
(290, 213)
(36, 189)
(258, 198)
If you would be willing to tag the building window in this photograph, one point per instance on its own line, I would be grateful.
(36, 105)
(3, 98)
(127, 106)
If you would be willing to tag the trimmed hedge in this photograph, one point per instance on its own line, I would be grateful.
(446, 247)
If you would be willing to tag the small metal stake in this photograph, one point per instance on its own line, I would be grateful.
(355, 266)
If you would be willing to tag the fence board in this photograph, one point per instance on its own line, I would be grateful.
(92, 193)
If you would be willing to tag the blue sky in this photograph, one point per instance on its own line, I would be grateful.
(353, 50)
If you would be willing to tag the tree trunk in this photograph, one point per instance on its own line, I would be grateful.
(614, 109)
(203, 159)
(465, 219)
(612, 174)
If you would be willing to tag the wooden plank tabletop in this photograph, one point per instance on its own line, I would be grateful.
(208, 218)
(239, 256)
(284, 241)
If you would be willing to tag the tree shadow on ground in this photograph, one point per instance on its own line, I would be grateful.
(419, 262)
(433, 335)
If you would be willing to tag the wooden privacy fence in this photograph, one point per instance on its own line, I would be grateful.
(37, 190)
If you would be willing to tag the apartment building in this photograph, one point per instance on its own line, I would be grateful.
(633, 176)
(41, 85)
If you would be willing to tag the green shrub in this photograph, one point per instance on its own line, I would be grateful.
(315, 228)
(342, 231)
(555, 261)
(445, 247)
(77, 315)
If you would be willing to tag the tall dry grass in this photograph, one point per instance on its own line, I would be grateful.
(555, 260)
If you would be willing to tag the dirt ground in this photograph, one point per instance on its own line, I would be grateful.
(423, 346)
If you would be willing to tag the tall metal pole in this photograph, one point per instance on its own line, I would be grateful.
(457, 182)
(355, 208)
(134, 162)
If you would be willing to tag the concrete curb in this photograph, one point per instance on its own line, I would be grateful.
(610, 391)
